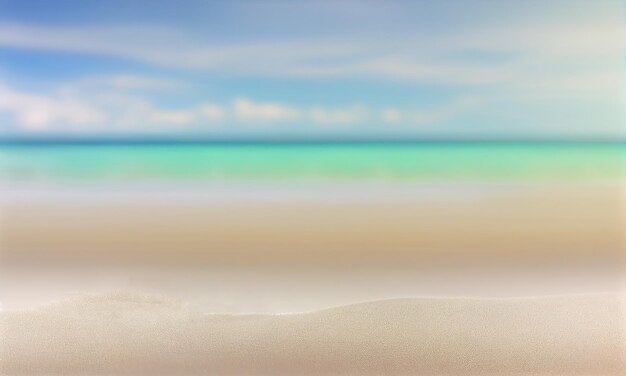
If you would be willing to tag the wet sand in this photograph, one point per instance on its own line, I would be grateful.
(543, 224)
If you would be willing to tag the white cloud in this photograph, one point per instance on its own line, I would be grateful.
(133, 112)
(441, 113)
(172, 117)
(120, 111)
(433, 115)
(38, 112)
(348, 115)
(391, 115)
(248, 110)
(82, 110)
(564, 51)
(130, 82)
(207, 112)
(204, 114)
(210, 111)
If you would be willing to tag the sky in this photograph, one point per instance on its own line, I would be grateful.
(310, 69)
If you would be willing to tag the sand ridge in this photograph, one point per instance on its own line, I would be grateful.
(127, 333)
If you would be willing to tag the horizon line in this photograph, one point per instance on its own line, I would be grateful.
(186, 140)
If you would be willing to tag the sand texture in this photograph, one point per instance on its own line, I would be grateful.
(130, 334)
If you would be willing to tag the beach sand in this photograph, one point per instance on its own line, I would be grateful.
(542, 224)
(308, 251)
(134, 334)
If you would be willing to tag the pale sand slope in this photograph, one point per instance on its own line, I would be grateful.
(144, 335)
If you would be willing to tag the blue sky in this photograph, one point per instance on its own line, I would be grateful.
(452, 69)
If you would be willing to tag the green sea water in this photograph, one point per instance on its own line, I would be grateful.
(189, 163)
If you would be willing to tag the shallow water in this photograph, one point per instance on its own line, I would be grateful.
(404, 162)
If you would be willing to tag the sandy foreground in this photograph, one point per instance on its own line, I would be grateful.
(135, 334)
(232, 252)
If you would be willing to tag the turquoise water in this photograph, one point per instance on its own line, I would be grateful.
(312, 162)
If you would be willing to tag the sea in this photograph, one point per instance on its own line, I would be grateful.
(302, 162)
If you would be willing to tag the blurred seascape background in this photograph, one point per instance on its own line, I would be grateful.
(240, 227)
(279, 156)
(345, 187)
